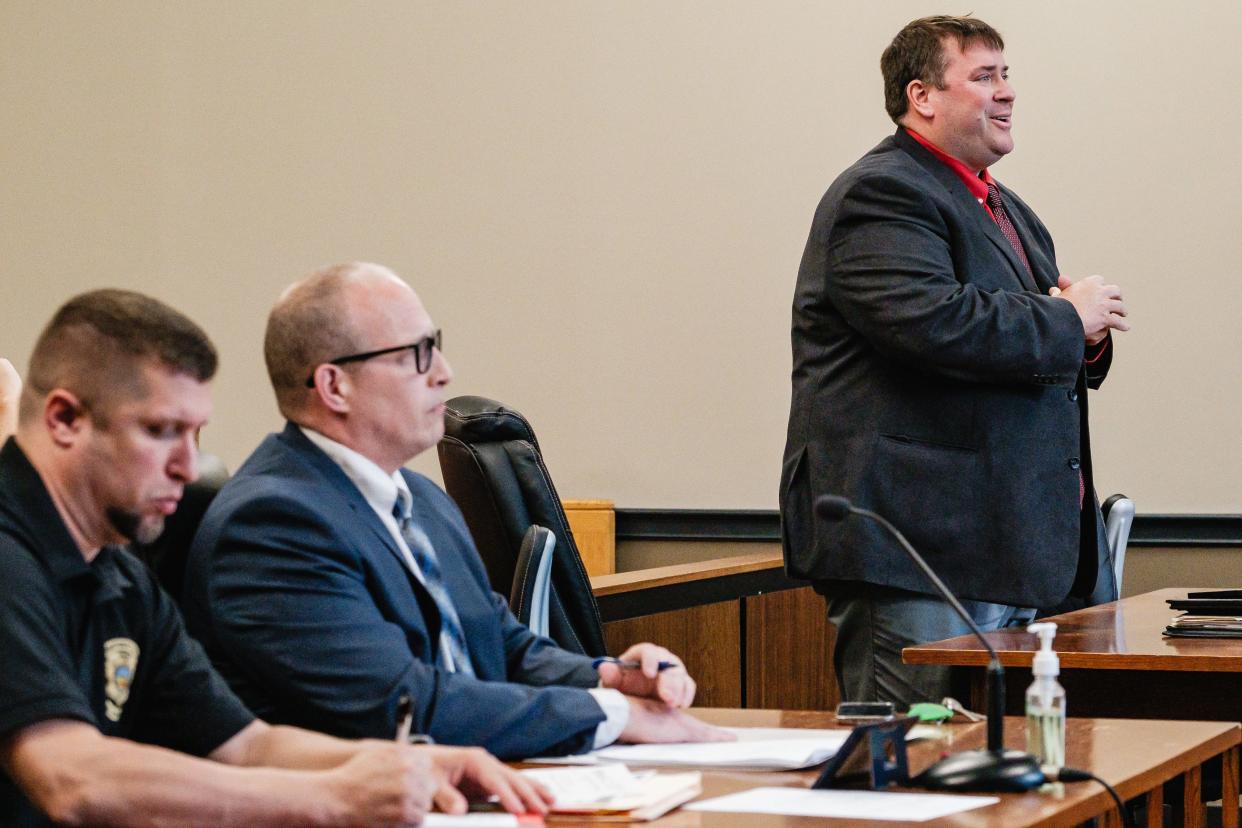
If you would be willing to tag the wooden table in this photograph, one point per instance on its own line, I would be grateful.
(1135, 757)
(1114, 662)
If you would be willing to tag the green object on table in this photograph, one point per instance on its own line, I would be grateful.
(930, 712)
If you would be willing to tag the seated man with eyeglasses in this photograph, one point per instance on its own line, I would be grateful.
(328, 584)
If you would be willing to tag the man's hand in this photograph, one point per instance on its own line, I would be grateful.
(473, 772)
(385, 784)
(672, 685)
(1099, 306)
(652, 721)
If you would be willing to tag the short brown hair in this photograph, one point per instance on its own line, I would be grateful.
(92, 343)
(310, 325)
(917, 53)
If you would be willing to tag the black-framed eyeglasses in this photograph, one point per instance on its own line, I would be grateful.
(422, 350)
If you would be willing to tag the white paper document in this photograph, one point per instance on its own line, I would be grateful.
(610, 792)
(756, 748)
(477, 821)
(897, 807)
(577, 787)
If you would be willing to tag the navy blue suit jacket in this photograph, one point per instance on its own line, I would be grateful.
(304, 603)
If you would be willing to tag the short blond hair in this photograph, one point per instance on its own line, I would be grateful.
(310, 325)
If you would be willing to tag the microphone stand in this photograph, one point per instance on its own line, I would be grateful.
(993, 769)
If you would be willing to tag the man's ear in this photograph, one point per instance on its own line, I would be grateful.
(918, 96)
(333, 387)
(65, 417)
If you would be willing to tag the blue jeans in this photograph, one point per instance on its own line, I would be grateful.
(875, 623)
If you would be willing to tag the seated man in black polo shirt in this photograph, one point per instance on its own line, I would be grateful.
(105, 703)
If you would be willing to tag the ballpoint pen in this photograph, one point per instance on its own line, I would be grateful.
(405, 718)
(631, 665)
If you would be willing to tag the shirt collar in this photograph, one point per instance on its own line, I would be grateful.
(26, 505)
(976, 184)
(378, 487)
(112, 578)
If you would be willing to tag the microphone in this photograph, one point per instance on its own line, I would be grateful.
(993, 769)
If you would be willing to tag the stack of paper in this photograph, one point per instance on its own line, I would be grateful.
(1205, 626)
(756, 748)
(1214, 614)
(752, 751)
(611, 793)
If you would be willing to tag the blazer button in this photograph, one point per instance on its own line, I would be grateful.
(1073, 463)
(1073, 395)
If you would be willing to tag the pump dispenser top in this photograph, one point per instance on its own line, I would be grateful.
(1046, 661)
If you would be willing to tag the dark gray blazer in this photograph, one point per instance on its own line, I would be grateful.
(936, 382)
(303, 601)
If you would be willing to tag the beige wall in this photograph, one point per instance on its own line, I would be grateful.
(645, 554)
(604, 203)
(1156, 567)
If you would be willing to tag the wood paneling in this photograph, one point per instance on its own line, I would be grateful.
(708, 638)
(594, 525)
(1229, 789)
(786, 660)
(789, 652)
(1155, 807)
(1192, 794)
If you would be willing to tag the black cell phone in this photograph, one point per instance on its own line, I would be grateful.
(864, 711)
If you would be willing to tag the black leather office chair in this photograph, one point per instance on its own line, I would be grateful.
(166, 554)
(493, 468)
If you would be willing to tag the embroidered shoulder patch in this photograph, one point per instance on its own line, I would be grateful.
(120, 664)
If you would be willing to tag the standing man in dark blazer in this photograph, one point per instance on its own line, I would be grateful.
(941, 368)
(329, 584)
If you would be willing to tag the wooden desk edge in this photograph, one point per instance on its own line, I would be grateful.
(682, 573)
(953, 657)
(964, 651)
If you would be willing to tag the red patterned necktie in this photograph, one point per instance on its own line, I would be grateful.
(1005, 225)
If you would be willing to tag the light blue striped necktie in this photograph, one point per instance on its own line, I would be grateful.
(451, 635)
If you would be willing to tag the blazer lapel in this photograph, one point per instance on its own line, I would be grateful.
(360, 510)
(949, 180)
(994, 234)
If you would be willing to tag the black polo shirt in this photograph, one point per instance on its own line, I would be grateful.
(97, 642)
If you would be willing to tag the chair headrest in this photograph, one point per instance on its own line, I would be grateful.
(480, 420)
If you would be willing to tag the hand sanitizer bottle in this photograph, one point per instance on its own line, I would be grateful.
(1045, 701)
